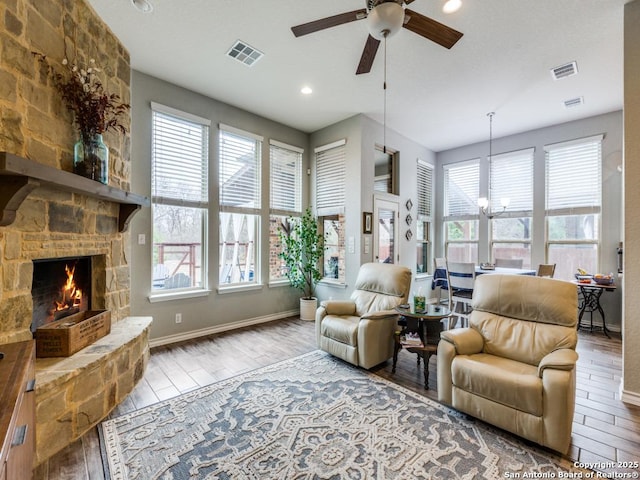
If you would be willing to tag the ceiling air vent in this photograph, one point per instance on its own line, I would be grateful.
(573, 102)
(564, 71)
(244, 53)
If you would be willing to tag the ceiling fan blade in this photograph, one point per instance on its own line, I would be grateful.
(407, 2)
(431, 29)
(368, 55)
(329, 22)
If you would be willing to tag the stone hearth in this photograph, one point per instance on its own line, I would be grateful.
(75, 393)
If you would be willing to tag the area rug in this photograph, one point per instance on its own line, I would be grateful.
(312, 417)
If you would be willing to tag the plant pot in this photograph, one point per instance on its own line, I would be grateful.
(91, 159)
(308, 307)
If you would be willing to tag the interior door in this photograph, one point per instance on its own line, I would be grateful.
(385, 230)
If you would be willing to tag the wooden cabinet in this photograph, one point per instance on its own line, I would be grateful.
(17, 410)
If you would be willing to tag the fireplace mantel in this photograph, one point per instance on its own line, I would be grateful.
(20, 176)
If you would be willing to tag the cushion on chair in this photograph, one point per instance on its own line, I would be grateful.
(372, 302)
(541, 300)
(511, 383)
(379, 278)
(526, 342)
(343, 329)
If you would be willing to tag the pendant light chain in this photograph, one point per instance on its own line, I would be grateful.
(490, 115)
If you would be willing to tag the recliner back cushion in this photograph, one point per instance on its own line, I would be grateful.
(373, 302)
(380, 286)
(521, 340)
(524, 317)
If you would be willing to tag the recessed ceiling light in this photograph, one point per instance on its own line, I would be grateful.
(306, 90)
(452, 6)
(143, 5)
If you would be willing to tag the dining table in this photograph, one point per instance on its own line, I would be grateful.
(440, 274)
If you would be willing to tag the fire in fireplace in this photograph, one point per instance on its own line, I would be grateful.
(60, 287)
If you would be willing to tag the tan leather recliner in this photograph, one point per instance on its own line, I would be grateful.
(361, 330)
(514, 366)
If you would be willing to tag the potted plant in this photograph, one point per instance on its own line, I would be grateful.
(302, 249)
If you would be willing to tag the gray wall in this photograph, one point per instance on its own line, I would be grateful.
(610, 125)
(215, 310)
(362, 135)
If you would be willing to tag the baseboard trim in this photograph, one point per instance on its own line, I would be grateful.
(202, 332)
(629, 397)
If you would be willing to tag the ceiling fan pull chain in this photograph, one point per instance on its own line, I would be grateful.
(384, 87)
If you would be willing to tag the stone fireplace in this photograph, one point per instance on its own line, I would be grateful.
(62, 287)
(46, 212)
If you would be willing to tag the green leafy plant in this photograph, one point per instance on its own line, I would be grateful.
(302, 249)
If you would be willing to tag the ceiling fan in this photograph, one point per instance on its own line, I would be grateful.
(385, 18)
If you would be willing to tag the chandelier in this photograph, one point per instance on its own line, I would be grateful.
(485, 202)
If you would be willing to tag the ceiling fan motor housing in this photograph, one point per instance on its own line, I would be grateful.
(385, 19)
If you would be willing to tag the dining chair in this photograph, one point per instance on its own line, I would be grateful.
(439, 282)
(460, 278)
(546, 270)
(508, 262)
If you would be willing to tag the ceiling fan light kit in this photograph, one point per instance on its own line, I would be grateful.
(452, 6)
(385, 20)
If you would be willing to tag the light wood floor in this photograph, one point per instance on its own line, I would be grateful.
(604, 429)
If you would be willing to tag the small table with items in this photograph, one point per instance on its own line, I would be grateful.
(590, 302)
(426, 324)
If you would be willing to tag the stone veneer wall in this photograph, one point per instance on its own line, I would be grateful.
(34, 123)
(75, 393)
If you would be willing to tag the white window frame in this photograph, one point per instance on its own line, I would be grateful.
(196, 198)
(517, 186)
(424, 212)
(582, 192)
(330, 166)
(470, 213)
(277, 152)
(248, 279)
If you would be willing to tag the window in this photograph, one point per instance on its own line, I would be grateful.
(511, 176)
(286, 198)
(180, 196)
(461, 190)
(573, 205)
(424, 217)
(330, 198)
(239, 179)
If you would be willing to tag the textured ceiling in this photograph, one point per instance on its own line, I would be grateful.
(437, 97)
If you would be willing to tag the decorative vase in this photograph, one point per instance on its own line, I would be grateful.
(91, 159)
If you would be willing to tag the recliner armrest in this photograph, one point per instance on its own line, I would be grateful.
(562, 359)
(339, 307)
(466, 341)
(379, 314)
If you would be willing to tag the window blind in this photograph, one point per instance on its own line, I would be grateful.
(461, 189)
(179, 161)
(511, 176)
(330, 177)
(239, 174)
(425, 190)
(286, 178)
(573, 177)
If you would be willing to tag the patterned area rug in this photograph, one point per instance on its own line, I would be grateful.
(312, 417)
